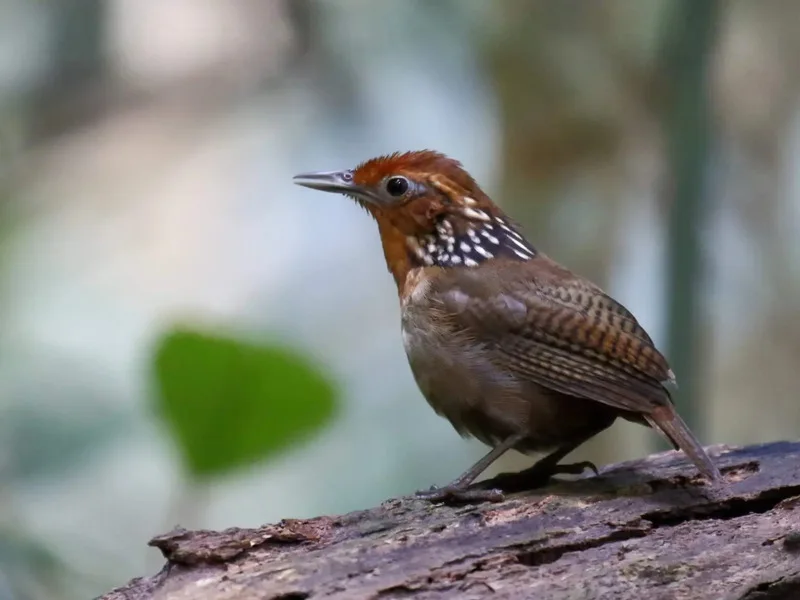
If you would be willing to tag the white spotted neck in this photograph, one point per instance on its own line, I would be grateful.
(474, 238)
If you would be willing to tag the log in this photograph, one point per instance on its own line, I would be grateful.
(649, 529)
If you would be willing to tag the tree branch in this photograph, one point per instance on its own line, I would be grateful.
(643, 529)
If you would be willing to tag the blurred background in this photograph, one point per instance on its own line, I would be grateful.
(187, 338)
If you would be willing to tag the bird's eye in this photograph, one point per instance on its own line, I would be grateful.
(397, 186)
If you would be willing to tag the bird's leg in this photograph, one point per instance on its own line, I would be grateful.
(539, 474)
(457, 490)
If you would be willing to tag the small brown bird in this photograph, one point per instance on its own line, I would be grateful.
(505, 343)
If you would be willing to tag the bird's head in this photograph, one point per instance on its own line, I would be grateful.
(429, 209)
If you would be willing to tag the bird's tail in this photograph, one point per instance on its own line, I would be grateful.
(667, 421)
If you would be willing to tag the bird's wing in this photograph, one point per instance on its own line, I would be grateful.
(565, 335)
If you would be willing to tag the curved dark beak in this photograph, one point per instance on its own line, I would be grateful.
(329, 181)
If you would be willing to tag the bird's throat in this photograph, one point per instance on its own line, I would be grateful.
(467, 244)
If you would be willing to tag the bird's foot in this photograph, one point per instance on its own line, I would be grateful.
(450, 494)
(538, 475)
(575, 468)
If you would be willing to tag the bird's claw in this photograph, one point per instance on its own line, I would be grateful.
(538, 476)
(449, 494)
(575, 468)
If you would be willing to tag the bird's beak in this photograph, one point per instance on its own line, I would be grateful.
(330, 181)
(340, 182)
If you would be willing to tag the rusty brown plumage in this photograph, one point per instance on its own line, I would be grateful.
(509, 346)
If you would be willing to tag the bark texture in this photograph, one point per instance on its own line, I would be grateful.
(643, 529)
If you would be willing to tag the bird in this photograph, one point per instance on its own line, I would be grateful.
(508, 345)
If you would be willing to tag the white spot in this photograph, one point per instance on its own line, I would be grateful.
(428, 260)
(464, 247)
(469, 262)
(455, 259)
(520, 244)
(475, 214)
(473, 236)
(483, 252)
(451, 247)
(469, 201)
(520, 254)
(489, 237)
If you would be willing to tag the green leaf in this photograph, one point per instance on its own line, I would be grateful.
(231, 403)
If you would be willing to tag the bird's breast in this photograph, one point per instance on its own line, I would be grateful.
(455, 372)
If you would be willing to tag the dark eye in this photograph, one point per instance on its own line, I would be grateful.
(397, 186)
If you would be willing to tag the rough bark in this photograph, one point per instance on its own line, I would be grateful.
(643, 529)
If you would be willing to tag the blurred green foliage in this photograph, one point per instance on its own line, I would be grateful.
(230, 403)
